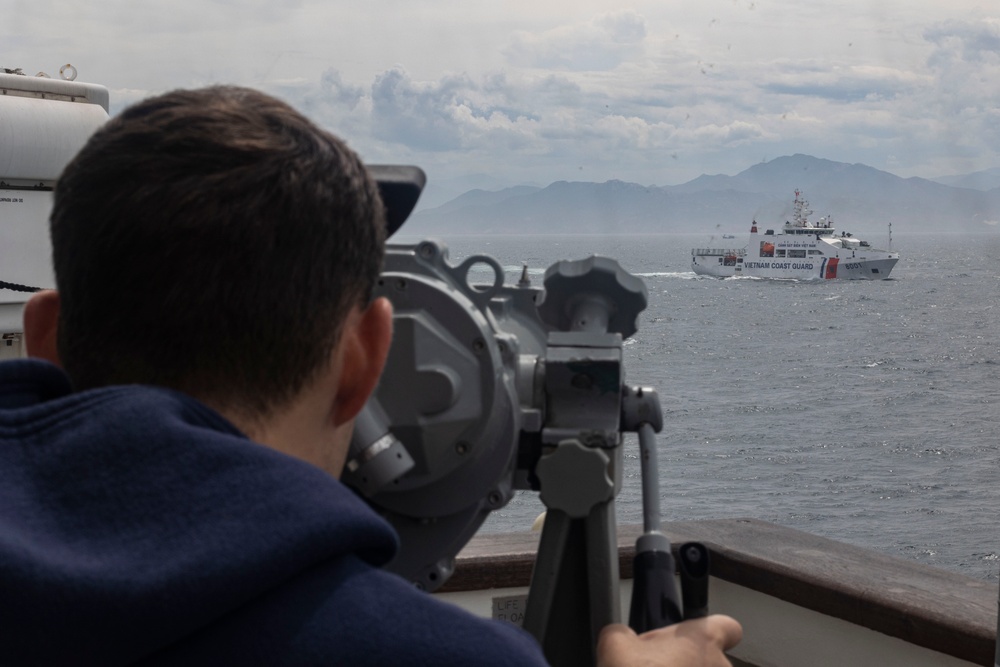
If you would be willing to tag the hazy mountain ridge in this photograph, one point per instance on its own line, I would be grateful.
(986, 180)
(856, 196)
(480, 197)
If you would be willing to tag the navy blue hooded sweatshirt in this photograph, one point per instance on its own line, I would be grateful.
(139, 526)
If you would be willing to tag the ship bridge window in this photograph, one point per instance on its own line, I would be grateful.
(797, 253)
(815, 252)
(780, 252)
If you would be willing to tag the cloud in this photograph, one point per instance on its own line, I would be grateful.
(970, 41)
(540, 127)
(603, 43)
(843, 83)
(549, 114)
(631, 132)
(418, 115)
(332, 86)
(527, 90)
(454, 113)
(733, 134)
(960, 108)
(637, 107)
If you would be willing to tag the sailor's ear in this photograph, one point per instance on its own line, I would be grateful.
(41, 326)
(364, 346)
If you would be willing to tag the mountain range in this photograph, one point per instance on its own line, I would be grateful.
(857, 197)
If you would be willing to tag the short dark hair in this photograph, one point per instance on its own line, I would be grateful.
(212, 241)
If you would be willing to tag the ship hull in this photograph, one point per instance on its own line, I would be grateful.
(826, 268)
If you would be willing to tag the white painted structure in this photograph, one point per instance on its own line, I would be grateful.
(43, 123)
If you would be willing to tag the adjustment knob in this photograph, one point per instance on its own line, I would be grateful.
(592, 294)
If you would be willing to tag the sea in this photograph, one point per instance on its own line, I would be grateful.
(863, 411)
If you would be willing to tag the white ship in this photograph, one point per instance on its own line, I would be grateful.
(801, 250)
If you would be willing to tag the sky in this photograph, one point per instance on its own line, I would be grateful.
(528, 92)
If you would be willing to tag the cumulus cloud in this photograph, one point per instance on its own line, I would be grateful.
(961, 105)
(637, 107)
(551, 124)
(419, 115)
(549, 114)
(971, 41)
(452, 113)
(603, 43)
(618, 94)
(333, 87)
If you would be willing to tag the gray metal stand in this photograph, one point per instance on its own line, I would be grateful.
(574, 587)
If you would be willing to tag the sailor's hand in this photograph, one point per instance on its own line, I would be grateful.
(699, 643)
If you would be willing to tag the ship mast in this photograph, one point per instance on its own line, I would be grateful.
(802, 210)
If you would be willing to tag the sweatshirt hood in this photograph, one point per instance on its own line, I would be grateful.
(132, 516)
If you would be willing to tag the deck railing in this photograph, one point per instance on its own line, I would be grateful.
(951, 615)
(719, 252)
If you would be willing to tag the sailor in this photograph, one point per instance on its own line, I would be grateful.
(169, 456)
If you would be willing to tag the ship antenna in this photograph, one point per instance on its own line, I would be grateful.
(890, 237)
